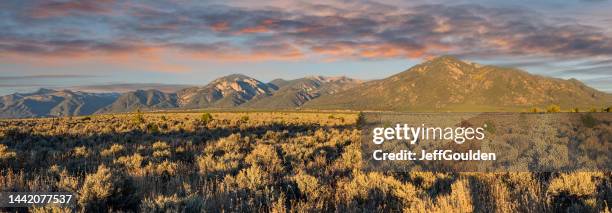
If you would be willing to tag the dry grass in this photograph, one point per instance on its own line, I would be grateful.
(255, 161)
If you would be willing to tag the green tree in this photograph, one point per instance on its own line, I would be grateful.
(360, 120)
(206, 118)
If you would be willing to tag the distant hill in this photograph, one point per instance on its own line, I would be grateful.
(46, 102)
(141, 100)
(448, 84)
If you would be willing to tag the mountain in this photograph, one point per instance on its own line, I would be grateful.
(295, 93)
(441, 84)
(141, 100)
(448, 84)
(235, 91)
(46, 102)
(229, 91)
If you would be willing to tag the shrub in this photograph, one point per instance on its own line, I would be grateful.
(374, 192)
(5, 154)
(132, 163)
(244, 118)
(80, 152)
(48, 209)
(162, 153)
(138, 118)
(115, 149)
(589, 121)
(360, 119)
(265, 157)
(165, 168)
(489, 126)
(459, 198)
(104, 191)
(569, 192)
(206, 118)
(553, 108)
(67, 182)
(307, 184)
(160, 145)
(252, 178)
(152, 128)
(578, 183)
(172, 203)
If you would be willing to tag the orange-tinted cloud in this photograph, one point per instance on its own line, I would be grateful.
(137, 56)
(228, 53)
(369, 51)
(47, 9)
(262, 27)
(220, 26)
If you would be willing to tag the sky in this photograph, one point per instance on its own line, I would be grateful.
(75, 44)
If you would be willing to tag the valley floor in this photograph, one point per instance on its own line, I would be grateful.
(255, 161)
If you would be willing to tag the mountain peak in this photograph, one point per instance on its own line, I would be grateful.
(233, 77)
(445, 59)
(44, 91)
(443, 66)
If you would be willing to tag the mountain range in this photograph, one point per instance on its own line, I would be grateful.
(440, 84)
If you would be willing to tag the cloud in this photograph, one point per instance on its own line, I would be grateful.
(54, 76)
(148, 36)
(601, 83)
(10, 85)
(603, 70)
(54, 8)
(121, 88)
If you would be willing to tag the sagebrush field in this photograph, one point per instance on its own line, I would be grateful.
(255, 161)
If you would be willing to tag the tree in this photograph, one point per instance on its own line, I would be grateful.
(206, 118)
(360, 120)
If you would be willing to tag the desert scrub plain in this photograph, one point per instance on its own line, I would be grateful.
(255, 161)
